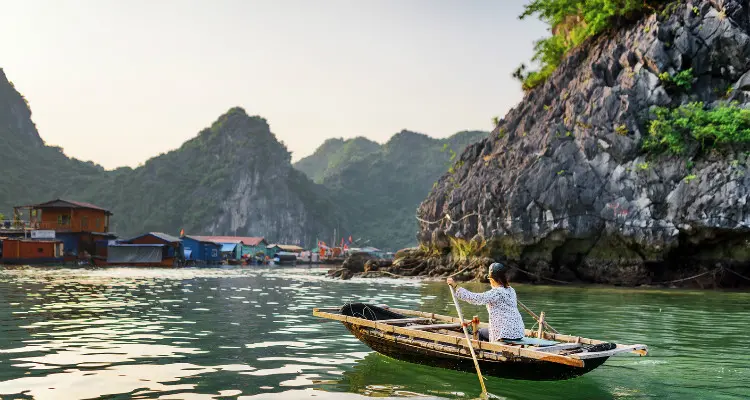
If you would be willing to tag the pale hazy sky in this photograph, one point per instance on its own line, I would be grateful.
(117, 82)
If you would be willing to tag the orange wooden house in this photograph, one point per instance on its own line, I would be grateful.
(77, 224)
(68, 216)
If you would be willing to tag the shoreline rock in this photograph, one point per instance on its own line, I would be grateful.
(719, 277)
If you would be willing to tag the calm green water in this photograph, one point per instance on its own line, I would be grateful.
(249, 333)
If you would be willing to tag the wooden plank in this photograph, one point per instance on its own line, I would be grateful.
(505, 349)
(558, 347)
(424, 314)
(337, 309)
(565, 338)
(403, 320)
(433, 326)
(460, 351)
(598, 354)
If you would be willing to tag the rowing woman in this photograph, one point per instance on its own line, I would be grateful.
(505, 320)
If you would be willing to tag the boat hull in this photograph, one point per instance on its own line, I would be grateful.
(513, 368)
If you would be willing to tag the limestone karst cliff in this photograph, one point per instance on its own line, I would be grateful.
(577, 182)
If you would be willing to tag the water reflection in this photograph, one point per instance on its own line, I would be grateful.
(249, 333)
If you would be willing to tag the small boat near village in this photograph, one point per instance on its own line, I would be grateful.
(437, 340)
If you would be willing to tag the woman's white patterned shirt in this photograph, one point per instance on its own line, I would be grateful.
(505, 320)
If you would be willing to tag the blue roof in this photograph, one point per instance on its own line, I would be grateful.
(225, 247)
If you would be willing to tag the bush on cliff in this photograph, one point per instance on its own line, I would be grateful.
(675, 129)
(571, 23)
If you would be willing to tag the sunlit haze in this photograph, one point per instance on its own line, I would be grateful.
(117, 82)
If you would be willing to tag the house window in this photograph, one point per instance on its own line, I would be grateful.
(63, 220)
(214, 253)
(40, 250)
(85, 221)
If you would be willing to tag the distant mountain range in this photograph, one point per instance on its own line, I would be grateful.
(236, 178)
(378, 187)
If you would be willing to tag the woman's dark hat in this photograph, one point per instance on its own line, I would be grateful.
(496, 267)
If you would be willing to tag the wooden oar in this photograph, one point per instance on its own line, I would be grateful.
(468, 341)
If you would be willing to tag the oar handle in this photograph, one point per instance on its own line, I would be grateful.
(468, 341)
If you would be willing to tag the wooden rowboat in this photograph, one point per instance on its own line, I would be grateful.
(438, 341)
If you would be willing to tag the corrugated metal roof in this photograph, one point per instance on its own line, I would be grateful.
(162, 236)
(247, 241)
(70, 204)
(286, 247)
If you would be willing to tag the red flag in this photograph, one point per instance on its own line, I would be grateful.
(182, 232)
(350, 238)
(342, 242)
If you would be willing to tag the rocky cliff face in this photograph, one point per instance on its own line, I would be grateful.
(15, 115)
(234, 178)
(267, 194)
(563, 187)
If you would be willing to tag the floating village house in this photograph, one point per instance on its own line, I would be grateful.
(273, 249)
(236, 247)
(30, 251)
(198, 250)
(78, 225)
(153, 249)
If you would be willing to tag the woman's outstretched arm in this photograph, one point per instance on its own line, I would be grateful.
(471, 297)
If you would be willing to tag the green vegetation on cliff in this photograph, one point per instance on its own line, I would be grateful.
(30, 170)
(572, 22)
(674, 130)
(377, 192)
